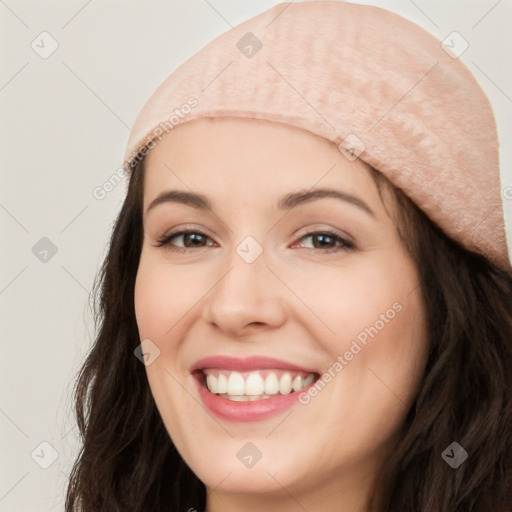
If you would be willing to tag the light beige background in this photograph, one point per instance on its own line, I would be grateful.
(65, 122)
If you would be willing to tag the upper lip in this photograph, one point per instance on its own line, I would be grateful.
(247, 364)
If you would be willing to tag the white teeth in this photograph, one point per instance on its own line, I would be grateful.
(246, 398)
(297, 383)
(251, 386)
(271, 384)
(254, 385)
(236, 398)
(309, 380)
(222, 384)
(285, 384)
(211, 383)
(236, 384)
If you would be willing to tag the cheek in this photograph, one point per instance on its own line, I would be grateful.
(164, 295)
(376, 355)
(398, 352)
(373, 324)
(164, 307)
(355, 301)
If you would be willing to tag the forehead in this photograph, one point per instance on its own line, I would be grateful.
(248, 158)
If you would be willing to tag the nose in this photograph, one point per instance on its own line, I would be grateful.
(247, 299)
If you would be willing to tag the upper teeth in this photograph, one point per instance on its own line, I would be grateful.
(257, 383)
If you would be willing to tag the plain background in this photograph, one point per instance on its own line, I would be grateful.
(65, 123)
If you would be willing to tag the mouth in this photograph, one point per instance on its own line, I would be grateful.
(250, 386)
(250, 389)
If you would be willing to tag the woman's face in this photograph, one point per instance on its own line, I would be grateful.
(290, 269)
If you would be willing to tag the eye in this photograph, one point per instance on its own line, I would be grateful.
(326, 241)
(183, 240)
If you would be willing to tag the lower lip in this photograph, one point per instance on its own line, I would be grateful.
(246, 411)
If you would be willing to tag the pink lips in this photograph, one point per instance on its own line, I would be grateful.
(247, 364)
(245, 411)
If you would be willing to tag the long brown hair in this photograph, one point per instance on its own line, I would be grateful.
(466, 392)
(128, 462)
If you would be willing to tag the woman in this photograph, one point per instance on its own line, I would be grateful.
(299, 309)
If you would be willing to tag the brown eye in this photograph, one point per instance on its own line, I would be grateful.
(193, 239)
(326, 240)
(185, 239)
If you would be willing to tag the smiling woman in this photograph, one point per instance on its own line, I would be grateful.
(308, 293)
(301, 317)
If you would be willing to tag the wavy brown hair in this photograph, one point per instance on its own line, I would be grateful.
(128, 462)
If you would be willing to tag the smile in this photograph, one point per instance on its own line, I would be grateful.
(250, 389)
(255, 385)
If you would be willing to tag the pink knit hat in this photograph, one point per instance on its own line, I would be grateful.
(377, 85)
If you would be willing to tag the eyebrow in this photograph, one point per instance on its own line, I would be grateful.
(288, 202)
(294, 199)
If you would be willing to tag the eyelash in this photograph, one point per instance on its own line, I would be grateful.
(344, 243)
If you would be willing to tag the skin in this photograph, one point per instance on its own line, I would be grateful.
(301, 301)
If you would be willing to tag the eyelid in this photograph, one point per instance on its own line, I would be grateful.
(344, 239)
(323, 228)
(163, 241)
(190, 227)
(344, 244)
